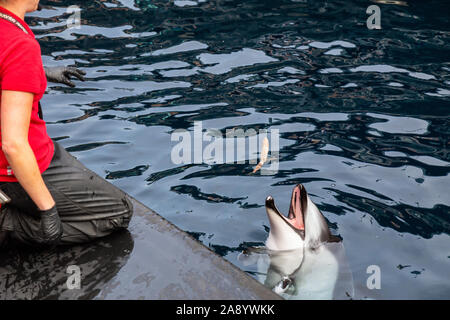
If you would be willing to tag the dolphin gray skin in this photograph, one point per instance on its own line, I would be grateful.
(302, 260)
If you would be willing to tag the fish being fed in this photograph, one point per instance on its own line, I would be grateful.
(264, 154)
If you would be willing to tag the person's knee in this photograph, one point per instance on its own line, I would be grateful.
(123, 213)
(121, 221)
(128, 205)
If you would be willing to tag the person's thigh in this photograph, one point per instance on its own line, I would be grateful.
(80, 194)
(89, 206)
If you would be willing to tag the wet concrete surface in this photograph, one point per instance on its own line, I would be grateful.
(152, 260)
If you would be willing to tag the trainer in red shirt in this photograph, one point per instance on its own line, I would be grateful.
(21, 69)
(25, 145)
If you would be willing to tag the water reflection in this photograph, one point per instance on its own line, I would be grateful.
(26, 274)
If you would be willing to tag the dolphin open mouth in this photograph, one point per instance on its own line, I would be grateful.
(297, 209)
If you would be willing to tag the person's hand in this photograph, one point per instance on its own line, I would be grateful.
(51, 226)
(63, 75)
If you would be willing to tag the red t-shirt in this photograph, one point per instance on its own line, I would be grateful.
(21, 69)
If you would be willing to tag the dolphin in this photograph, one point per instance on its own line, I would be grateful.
(301, 259)
(305, 226)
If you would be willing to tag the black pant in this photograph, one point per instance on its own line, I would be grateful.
(89, 207)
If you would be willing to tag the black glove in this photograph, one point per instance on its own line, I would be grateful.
(63, 74)
(51, 226)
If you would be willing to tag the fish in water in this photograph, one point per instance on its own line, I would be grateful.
(302, 259)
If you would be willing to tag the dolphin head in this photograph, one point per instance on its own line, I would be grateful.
(304, 226)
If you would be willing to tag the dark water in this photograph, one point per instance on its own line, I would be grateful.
(362, 114)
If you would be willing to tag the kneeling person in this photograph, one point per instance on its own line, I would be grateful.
(54, 198)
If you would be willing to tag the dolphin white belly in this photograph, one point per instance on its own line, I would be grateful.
(324, 274)
(320, 274)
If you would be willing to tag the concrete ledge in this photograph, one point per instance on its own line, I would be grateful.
(153, 260)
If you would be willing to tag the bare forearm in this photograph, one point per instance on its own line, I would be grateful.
(24, 165)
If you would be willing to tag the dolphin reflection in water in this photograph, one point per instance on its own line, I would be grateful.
(302, 259)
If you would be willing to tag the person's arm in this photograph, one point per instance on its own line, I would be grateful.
(15, 117)
(15, 120)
